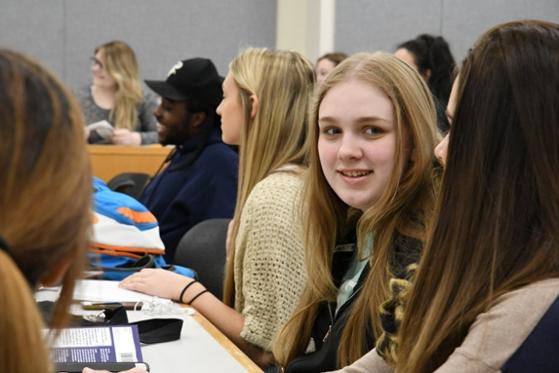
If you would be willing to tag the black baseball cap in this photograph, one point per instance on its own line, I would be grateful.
(195, 78)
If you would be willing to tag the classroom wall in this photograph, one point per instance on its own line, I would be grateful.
(63, 33)
(369, 25)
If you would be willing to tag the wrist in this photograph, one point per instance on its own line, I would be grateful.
(190, 290)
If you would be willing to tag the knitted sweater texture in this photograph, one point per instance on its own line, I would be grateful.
(269, 258)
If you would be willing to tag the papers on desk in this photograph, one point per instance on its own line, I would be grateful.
(106, 291)
(96, 291)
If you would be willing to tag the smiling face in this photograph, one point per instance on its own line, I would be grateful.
(174, 122)
(357, 142)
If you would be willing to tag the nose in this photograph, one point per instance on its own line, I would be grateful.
(350, 148)
(441, 150)
(218, 108)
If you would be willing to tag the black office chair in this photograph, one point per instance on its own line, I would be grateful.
(202, 248)
(130, 183)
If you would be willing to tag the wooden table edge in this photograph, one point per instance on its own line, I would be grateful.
(226, 343)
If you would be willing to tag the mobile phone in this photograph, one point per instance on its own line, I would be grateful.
(111, 367)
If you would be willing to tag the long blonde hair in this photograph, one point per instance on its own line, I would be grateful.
(121, 64)
(402, 207)
(283, 83)
(45, 193)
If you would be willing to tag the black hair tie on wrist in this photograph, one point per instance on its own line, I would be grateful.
(196, 296)
(184, 290)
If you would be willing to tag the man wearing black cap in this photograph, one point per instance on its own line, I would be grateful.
(200, 181)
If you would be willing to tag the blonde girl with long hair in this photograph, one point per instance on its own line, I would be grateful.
(370, 171)
(116, 95)
(266, 97)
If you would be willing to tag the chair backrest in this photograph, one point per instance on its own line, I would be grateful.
(130, 183)
(202, 248)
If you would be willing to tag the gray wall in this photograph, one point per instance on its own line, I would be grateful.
(63, 33)
(369, 25)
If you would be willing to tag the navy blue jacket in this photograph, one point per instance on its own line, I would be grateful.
(180, 197)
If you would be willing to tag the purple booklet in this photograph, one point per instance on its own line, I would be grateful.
(97, 344)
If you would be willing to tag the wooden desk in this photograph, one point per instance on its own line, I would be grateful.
(226, 343)
(110, 160)
(201, 348)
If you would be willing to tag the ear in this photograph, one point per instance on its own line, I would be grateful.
(253, 106)
(55, 276)
(197, 119)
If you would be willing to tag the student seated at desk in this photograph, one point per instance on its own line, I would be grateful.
(370, 175)
(45, 196)
(266, 97)
(200, 181)
(485, 298)
(115, 96)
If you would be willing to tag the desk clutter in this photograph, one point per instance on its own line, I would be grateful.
(198, 346)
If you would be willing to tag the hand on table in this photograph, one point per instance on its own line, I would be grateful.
(122, 136)
(159, 282)
(133, 370)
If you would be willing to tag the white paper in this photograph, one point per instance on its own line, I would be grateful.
(106, 291)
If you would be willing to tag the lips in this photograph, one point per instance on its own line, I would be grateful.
(355, 173)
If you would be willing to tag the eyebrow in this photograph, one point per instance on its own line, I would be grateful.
(373, 119)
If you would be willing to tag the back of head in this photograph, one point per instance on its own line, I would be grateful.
(282, 81)
(434, 60)
(334, 57)
(498, 219)
(408, 192)
(20, 323)
(45, 181)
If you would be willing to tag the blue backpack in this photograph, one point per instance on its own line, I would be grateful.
(125, 236)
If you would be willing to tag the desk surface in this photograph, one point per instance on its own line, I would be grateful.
(202, 348)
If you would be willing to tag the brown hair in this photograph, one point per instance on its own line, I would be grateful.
(334, 57)
(408, 194)
(45, 192)
(497, 222)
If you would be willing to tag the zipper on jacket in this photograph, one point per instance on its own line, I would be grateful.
(329, 331)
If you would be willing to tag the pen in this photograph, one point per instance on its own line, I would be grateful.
(97, 306)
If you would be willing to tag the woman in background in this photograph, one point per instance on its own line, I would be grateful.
(45, 196)
(116, 96)
(266, 98)
(370, 172)
(431, 57)
(326, 63)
